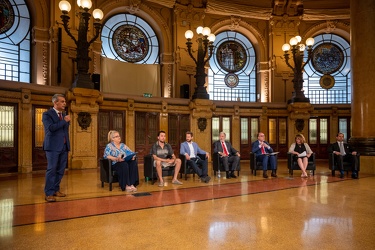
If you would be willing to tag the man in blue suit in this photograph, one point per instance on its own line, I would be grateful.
(262, 150)
(56, 145)
(191, 150)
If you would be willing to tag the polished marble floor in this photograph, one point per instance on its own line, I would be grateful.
(249, 212)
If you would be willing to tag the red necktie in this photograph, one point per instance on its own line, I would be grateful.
(263, 151)
(224, 149)
(60, 116)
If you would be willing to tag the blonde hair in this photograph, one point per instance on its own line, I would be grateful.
(110, 133)
(300, 136)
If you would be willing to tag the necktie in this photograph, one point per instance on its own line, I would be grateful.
(342, 150)
(263, 151)
(224, 149)
(60, 116)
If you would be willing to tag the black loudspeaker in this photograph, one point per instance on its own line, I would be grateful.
(95, 78)
(184, 91)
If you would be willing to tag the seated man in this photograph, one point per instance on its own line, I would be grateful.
(163, 155)
(262, 150)
(344, 153)
(228, 155)
(191, 150)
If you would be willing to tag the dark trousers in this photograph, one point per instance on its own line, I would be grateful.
(352, 159)
(199, 166)
(230, 163)
(264, 159)
(56, 165)
(127, 172)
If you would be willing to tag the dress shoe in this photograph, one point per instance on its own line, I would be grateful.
(233, 175)
(228, 176)
(265, 174)
(354, 176)
(342, 175)
(207, 179)
(50, 198)
(275, 175)
(59, 194)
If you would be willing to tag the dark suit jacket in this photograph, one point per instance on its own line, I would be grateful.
(54, 131)
(257, 150)
(335, 147)
(219, 148)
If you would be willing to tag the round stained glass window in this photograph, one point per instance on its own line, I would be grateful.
(130, 43)
(6, 16)
(327, 58)
(231, 56)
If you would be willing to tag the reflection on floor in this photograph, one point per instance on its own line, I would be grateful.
(249, 212)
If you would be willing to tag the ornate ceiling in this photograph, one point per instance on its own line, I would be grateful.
(264, 9)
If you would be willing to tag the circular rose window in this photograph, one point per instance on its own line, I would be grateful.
(6, 16)
(130, 43)
(327, 58)
(231, 56)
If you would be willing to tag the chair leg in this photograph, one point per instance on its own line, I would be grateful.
(255, 172)
(185, 176)
(102, 183)
(110, 186)
(333, 173)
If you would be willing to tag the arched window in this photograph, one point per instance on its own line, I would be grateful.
(129, 38)
(14, 41)
(232, 73)
(327, 76)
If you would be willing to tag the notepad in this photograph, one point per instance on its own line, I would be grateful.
(303, 154)
(274, 153)
(130, 156)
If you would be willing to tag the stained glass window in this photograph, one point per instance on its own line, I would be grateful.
(14, 41)
(327, 76)
(232, 73)
(129, 38)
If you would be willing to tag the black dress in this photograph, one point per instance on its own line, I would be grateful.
(299, 148)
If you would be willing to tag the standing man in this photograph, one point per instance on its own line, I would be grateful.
(191, 150)
(344, 153)
(228, 155)
(163, 155)
(262, 150)
(56, 145)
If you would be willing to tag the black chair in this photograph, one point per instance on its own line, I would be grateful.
(218, 166)
(150, 171)
(293, 165)
(347, 165)
(185, 169)
(107, 174)
(254, 165)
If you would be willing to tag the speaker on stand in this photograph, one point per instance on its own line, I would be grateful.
(95, 78)
(185, 91)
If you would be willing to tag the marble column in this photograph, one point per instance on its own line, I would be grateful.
(362, 23)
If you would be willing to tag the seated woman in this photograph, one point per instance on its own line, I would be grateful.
(127, 171)
(302, 152)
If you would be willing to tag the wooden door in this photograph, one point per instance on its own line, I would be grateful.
(178, 125)
(319, 136)
(146, 132)
(8, 138)
(249, 130)
(109, 120)
(277, 135)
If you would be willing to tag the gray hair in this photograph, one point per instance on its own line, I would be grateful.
(55, 97)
